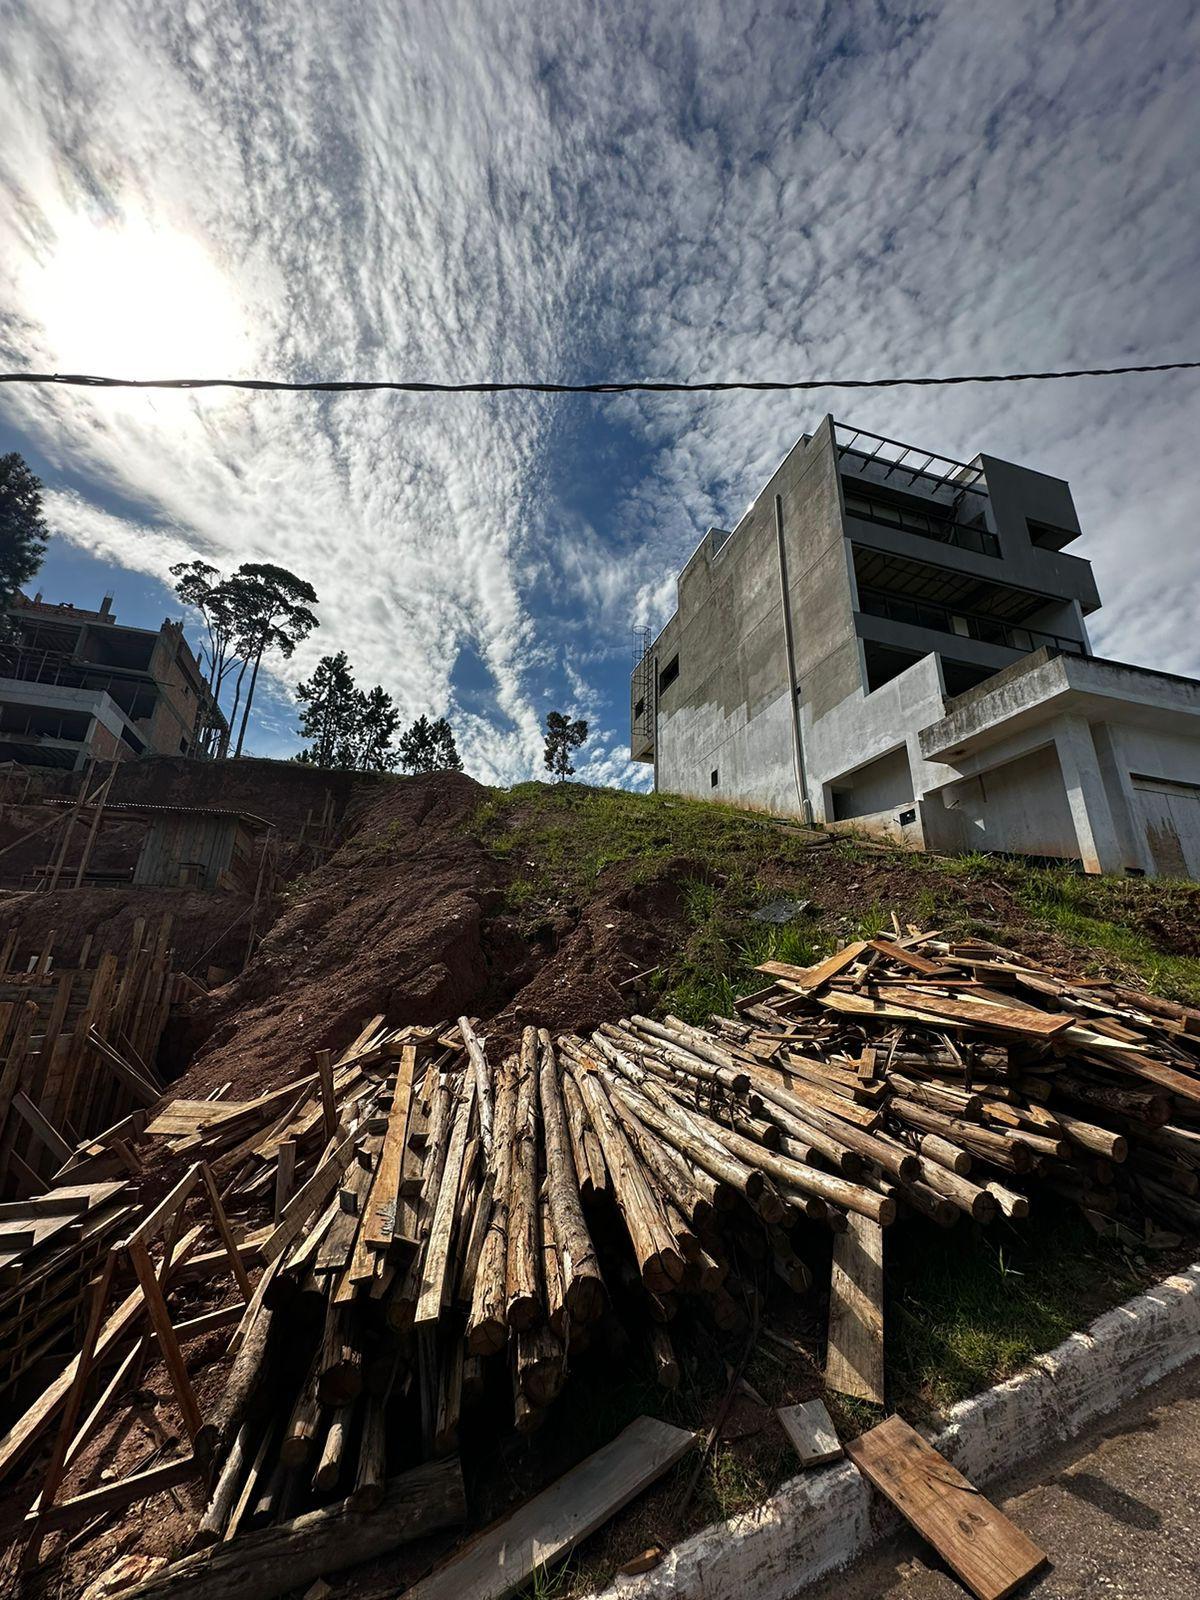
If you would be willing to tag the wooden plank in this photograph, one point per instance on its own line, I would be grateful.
(549, 1526)
(979, 1012)
(811, 1431)
(379, 1222)
(806, 979)
(115, 1496)
(987, 1551)
(445, 1216)
(854, 1358)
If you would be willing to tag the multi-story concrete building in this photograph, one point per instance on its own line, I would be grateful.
(898, 641)
(76, 684)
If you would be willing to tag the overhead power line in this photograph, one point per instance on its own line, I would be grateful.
(82, 380)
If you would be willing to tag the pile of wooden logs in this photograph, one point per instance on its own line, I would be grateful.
(447, 1225)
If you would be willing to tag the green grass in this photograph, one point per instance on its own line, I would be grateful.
(968, 1308)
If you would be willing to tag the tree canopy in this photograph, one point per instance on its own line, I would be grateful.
(23, 530)
(429, 747)
(347, 727)
(562, 738)
(259, 607)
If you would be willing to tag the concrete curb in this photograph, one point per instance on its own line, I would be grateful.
(826, 1518)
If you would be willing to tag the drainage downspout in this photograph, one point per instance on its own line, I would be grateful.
(806, 810)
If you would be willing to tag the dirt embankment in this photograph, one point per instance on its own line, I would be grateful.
(407, 920)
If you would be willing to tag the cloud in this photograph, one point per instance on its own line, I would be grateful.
(465, 191)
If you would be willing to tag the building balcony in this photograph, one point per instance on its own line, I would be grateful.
(927, 525)
(963, 625)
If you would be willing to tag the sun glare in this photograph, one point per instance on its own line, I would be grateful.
(132, 301)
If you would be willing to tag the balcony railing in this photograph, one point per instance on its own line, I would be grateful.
(966, 625)
(912, 520)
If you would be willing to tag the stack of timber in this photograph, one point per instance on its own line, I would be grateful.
(988, 1074)
(77, 1048)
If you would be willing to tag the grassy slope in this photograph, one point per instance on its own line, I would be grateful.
(967, 1307)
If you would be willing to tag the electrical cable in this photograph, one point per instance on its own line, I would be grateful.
(79, 380)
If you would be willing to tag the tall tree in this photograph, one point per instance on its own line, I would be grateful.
(23, 530)
(562, 737)
(429, 747)
(221, 605)
(378, 723)
(331, 710)
(274, 615)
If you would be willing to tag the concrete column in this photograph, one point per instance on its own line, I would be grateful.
(1095, 830)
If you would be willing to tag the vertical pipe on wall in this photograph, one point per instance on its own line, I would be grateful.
(806, 810)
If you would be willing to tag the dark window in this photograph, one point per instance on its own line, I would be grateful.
(1047, 537)
(639, 710)
(668, 674)
(713, 780)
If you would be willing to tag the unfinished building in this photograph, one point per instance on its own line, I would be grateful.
(898, 641)
(76, 685)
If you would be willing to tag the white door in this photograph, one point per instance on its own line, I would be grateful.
(1170, 816)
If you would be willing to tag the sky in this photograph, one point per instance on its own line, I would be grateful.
(581, 192)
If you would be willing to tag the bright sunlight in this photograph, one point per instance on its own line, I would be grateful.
(133, 301)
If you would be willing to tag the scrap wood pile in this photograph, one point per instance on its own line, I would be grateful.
(448, 1228)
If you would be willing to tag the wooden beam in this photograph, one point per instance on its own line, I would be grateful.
(854, 1358)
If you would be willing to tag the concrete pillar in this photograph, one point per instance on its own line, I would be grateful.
(1095, 830)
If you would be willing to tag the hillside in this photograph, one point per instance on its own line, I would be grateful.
(564, 906)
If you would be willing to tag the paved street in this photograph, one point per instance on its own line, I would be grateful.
(1117, 1511)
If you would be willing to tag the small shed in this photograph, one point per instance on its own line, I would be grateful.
(197, 847)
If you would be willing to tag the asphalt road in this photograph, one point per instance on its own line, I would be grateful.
(1117, 1511)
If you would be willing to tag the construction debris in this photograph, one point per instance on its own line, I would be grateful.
(437, 1221)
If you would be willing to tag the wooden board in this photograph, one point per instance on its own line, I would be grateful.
(854, 1358)
(811, 1431)
(988, 1552)
(807, 979)
(549, 1526)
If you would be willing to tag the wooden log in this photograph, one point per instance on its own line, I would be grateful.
(483, 1084)
(340, 1358)
(541, 1366)
(589, 1158)
(487, 1325)
(1013, 1205)
(552, 1277)
(370, 1482)
(854, 1359)
(658, 1259)
(932, 1147)
(292, 1555)
(436, 1258)
(333, 1450)
(246, 1377)
(697, 1193)
(1089, 1137)
(582, 1285)
(522, 1276)
(300, 1432)
(379, 1230)
(972, 1200)
(990, 1145)
(662, 1353)
(225, 1492)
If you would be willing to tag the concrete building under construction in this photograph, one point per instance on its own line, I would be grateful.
(898, 641)
(77, 685)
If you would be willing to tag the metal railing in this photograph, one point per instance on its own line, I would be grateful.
(968, 625)
(912, 520)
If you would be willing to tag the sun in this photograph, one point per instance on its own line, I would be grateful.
(128, 299)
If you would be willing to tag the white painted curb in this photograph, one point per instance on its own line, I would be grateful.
(826, 1518)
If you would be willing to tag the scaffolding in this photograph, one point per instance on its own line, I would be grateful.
(643, 685)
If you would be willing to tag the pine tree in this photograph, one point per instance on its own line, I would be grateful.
(332, 711)
(378, 723)
(562, 737)
(429, 747)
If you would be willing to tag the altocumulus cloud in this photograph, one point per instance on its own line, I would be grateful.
(583, 191)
